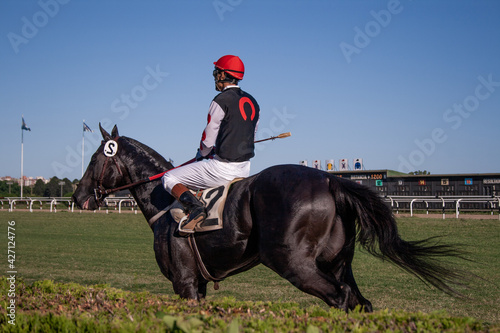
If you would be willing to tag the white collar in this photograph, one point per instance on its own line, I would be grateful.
(232, 86)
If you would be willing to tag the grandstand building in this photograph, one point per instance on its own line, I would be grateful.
(388, 182)
(394, 183)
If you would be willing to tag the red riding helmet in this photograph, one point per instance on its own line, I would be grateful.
(232, 65)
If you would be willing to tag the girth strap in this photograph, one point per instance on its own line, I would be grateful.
(162, 212)
(201, 266)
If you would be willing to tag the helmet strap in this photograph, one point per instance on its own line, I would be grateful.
(227, 79)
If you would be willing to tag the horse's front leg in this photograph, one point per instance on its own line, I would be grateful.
(187, 290)
(177, 263)
(186, 287)
(202, 288)
(185, 276)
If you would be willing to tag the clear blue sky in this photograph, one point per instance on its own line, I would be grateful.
(405, 85)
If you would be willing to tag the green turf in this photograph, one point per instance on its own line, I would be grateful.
(117, 249)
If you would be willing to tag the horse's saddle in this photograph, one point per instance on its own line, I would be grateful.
(213, 199)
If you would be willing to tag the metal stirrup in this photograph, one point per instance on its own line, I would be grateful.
(187, 231)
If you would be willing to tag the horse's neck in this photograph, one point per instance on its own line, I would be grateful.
(150, 197)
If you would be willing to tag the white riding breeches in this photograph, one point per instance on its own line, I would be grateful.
(205, 174)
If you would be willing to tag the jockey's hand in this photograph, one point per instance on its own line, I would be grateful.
(199, 157)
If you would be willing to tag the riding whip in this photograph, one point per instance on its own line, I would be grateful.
(280, 136)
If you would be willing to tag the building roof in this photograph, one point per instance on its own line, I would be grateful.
(393, 174)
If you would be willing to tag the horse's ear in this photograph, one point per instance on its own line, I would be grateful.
(105, 135)
(114, 132)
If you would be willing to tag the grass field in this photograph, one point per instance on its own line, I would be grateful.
(117, 250)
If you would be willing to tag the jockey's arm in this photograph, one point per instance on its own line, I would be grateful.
(214, 119)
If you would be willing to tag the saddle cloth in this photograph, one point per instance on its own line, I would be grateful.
(213, 199)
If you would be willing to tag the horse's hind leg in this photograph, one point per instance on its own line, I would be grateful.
(349, 280)
(308, 274)
(339, 267)
(328, 275)
(308, 278)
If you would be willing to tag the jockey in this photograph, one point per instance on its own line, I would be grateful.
(226, 146)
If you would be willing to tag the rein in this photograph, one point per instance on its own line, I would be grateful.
(100, 192)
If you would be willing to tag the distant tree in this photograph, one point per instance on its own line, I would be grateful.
(67, 187)
(39, 188)
(15, 189)
(4, 188)
(420, 172)
(52, 189)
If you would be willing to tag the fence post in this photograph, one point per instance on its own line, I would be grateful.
(411, 207)
(442, 199)
(458, 208)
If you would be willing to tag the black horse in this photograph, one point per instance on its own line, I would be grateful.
(300, 222)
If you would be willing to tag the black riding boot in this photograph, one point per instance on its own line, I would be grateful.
(195, 209)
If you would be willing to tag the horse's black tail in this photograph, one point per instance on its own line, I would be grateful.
(376, 226)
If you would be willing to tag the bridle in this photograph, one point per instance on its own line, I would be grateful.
(100, 192)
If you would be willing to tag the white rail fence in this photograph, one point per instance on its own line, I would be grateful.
(439, 204)
(490, 204)
(36, 204)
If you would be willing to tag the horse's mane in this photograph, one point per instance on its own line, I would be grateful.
(151, 152)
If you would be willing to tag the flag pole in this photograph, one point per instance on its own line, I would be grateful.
(83, 143)
(22, 160)
(23, 128)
